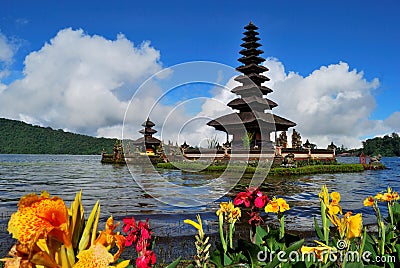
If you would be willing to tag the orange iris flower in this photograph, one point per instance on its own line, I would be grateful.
(40, 215)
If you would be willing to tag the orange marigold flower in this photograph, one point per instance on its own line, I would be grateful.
(38, 216)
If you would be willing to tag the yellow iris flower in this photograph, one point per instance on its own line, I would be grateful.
(388, 196)
(231, 213)
(198, 225)
(277, 205)
(369, 201)
(353, 225)
(319, 251)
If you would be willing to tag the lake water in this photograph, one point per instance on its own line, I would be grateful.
(120, 196)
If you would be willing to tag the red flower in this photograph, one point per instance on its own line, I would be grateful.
(252, 195)
(128, 224)
(255, 218)
(260, 200)
(146, 260)
(242, 198)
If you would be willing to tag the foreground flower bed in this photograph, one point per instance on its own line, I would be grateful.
(49, 234)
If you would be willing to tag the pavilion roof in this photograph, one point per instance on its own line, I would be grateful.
(235, 120)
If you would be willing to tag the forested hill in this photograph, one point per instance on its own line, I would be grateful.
(386, 146)
(20, 138)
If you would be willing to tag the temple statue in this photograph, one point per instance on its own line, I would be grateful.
(296, 140)
(281, 141)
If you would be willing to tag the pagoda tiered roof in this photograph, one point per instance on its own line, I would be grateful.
(252, 103)
(148, 132)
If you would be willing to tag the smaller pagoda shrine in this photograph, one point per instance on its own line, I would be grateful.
(147, 142)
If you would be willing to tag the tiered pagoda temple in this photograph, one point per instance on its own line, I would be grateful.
(148, 140)
(254, 120)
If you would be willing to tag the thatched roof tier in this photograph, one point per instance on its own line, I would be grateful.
(251, 59)
(251, 89)
(148, 123)
(258, 79)
(252, 103)
(148, 141)
(251, 26)
(250, 45)
(250, 37)
(251, 51)
(148, 130)
(252, 68)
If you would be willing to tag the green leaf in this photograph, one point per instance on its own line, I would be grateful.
(295, 246)
(260, 234)
(354, 265)
(216, 257)
(227, 260)
(86, 232)
(174, 263)
(318, 229)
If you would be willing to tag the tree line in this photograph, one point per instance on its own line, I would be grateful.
(17, 137)
(385, 146)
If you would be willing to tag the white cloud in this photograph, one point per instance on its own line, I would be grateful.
(6, 49)
(332, 103)
(74, 81)
(393, 121)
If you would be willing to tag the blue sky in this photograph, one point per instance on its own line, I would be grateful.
(300, 36)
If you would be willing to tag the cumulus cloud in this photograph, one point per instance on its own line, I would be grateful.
(332, 103)
(393, 121)
(75, 81)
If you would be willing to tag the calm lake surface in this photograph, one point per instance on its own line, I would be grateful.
(120, 196)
